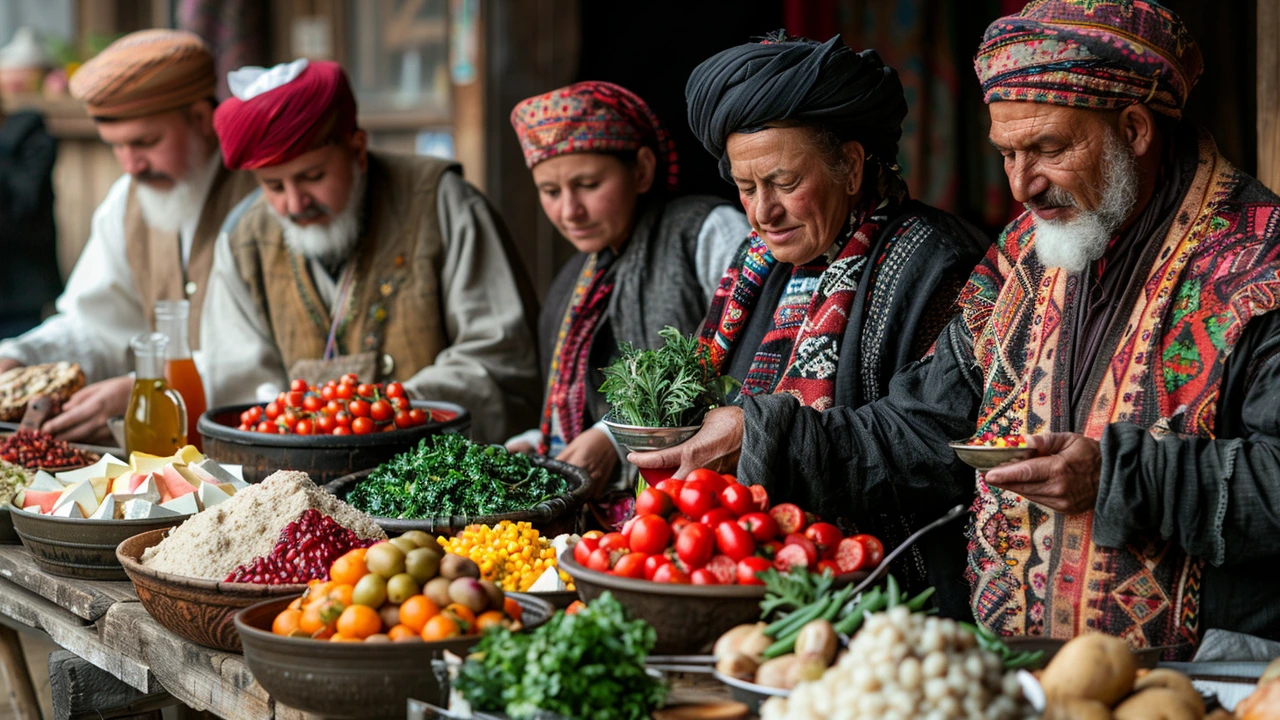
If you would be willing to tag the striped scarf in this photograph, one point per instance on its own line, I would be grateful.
(562, 416)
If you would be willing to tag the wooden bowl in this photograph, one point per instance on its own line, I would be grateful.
(688, 618)
(323, 457)
(351, 680)
(80, 547)
(553, 517)
(197, 609)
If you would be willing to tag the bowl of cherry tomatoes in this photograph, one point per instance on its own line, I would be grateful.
(688, 561)
(328, 430)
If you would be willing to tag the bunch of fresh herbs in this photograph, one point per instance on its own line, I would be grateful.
(588, 666)
(673, 386)
(450, 475)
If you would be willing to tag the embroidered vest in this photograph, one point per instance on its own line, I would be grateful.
(155, 256)
(394, 306)
(1035, 571)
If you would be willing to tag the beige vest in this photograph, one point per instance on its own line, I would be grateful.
(155, 256)
(393, 308)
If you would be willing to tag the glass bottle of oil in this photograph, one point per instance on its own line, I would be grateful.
(156, 421)
(179, 368)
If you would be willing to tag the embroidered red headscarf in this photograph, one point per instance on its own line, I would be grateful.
(278, 114)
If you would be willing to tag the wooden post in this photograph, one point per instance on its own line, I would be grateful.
(22, 693)
(1269, 94)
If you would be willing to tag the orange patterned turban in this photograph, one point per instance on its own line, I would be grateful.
(145, 73)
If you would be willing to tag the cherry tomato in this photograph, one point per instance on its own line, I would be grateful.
(695, 544)
(304, 427)
(400, 403)
(311, 403)
(652, 563)
(601, 560)
(703, 576)
(342, 418)
(734, 541)
(246, 418)
(669, 573)
(713, 480)
(418, 416)
(294, 399)
(678, 523)
(825, 537)
(614, 541)
(328, 392)
(749, 567)
(761, 526)
(380, 411)
(290, 417)
(695, 499)
(789, 517)
(362, 426)
(360, 409)
(243, 427)
(653, 501)
(325, 424)
(342, 430)
(713, 517)
(394, 390)
(631, 565)
(810, 551)
(403, 420)
(724, 569)
(761, 497)
(350, 379)
(273, 410)
(583, 548)
(737, 499)
(267, 427)
(343, 392)
(366, 390)
(298, 385)
(825, 565)
(874, 548)
(650, 534)
(254, 413)
(791, 557)
(671, 487)
(333, 407)
(851, 555)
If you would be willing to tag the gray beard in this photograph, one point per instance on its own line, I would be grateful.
(1071, 245)
(168, 210)
(330, 243)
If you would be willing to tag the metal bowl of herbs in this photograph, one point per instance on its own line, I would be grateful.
(448, 482)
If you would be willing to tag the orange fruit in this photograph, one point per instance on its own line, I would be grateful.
(440, 627)
(461, 613)
(310, 622)
(324, 634)
(492, 618)
(416, 611)
(342, 593)
(402, 632)
(348, 569)
(286, 622)
(296, 604)
(339, 637)
(359, 621)
(512, 608)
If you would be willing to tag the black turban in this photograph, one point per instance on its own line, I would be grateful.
(853, 95)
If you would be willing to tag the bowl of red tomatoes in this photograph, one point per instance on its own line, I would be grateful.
(328, 430)
(688, 561)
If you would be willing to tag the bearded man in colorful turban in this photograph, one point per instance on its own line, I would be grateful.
(389, 266)
(151, 97)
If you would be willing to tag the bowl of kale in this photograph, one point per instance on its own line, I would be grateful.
(448, 482)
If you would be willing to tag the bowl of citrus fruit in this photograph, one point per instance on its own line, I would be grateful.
(360, 644)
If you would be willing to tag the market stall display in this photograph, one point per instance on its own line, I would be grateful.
(516, 557)
(445, 483)
(1096, 675)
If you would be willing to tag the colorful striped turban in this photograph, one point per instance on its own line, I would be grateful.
(145, 73)
(276, 115)
(1095, 54)
(592, 117)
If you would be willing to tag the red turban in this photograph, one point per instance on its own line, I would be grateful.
(310, 110)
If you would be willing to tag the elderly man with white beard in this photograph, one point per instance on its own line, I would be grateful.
(151, 96)
(389, 266)
(1124, 324)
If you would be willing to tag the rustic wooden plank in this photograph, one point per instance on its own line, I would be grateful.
(22, 693)
(87, 599)
(1268, 85)
(200, 677)
(81, 689)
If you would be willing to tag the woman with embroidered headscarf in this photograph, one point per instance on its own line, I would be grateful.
(845, 278)
(606, 172)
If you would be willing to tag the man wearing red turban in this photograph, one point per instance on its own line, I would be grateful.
(348, 260)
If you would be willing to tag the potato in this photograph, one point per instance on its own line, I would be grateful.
(774, 673)
(1091, 667)
(731, 642)
(1076, 709)
(1157, 703)
(818, 638)
(737, 665)
(755, 643)
(1173, 680)
(809, 666)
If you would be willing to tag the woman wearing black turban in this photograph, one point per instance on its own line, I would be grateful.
(843, 281)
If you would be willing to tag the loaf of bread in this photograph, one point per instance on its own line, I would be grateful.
(18, 386)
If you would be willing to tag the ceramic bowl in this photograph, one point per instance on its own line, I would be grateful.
(644, 439)
(197, 609)
(984, 458)
(351, 680)
(80, 547)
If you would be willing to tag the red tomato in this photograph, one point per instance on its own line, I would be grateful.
(713, 480)
(748, 567)
(874, 548)
(343, 391)
(362, 426)
(789, 517)
(851, 555)
(762, 526)
(342, 430)
(350, 379)
(342, 418)
(328, 392)
(768, 549)
(614, 541)
(366, 390)
(601, 560)
(791, 557)
(311, 403)
(400, 403)
(695, 499)
(723, 568)
(359, 408)
(737, 498)
(668, 573)
(825, 565)
(333, 407)
(242, 427)
(761, 496)
(402, 420)
(583, 548)
(712, 518)
(294, 399)
(630, 565)
(304, 427)
(653, 501)
(671, 487)
(266, 427)
(290, 418)
(381, 411)
(255, 413)
(825, 537)
(325, 424)
(695, 544)
(246, 418)
(810, 551)
(678, 523)
(652, 563)
(298, 385)
(650, 534)
(418, 416)
(626, 528)
(703, 576)
(731, 480)
(394, 390)
(734, 541)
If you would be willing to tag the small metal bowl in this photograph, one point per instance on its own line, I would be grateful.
(642, 439)
(754, 695)
(983, 458)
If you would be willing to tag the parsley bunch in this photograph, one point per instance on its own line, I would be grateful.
(588, 666)
(450, 475)
(673, 386)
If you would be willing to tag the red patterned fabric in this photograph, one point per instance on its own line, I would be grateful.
(562, 417)
(315, 109)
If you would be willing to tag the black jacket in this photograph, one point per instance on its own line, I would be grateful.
(29, 275)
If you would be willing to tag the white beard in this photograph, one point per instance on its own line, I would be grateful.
(330, 243)
(1073, 244)
(168, 210)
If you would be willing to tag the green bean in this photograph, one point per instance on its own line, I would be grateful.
(872, 602)
(891, 589)
(918, 601)
(797, 619)
(837, 601)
